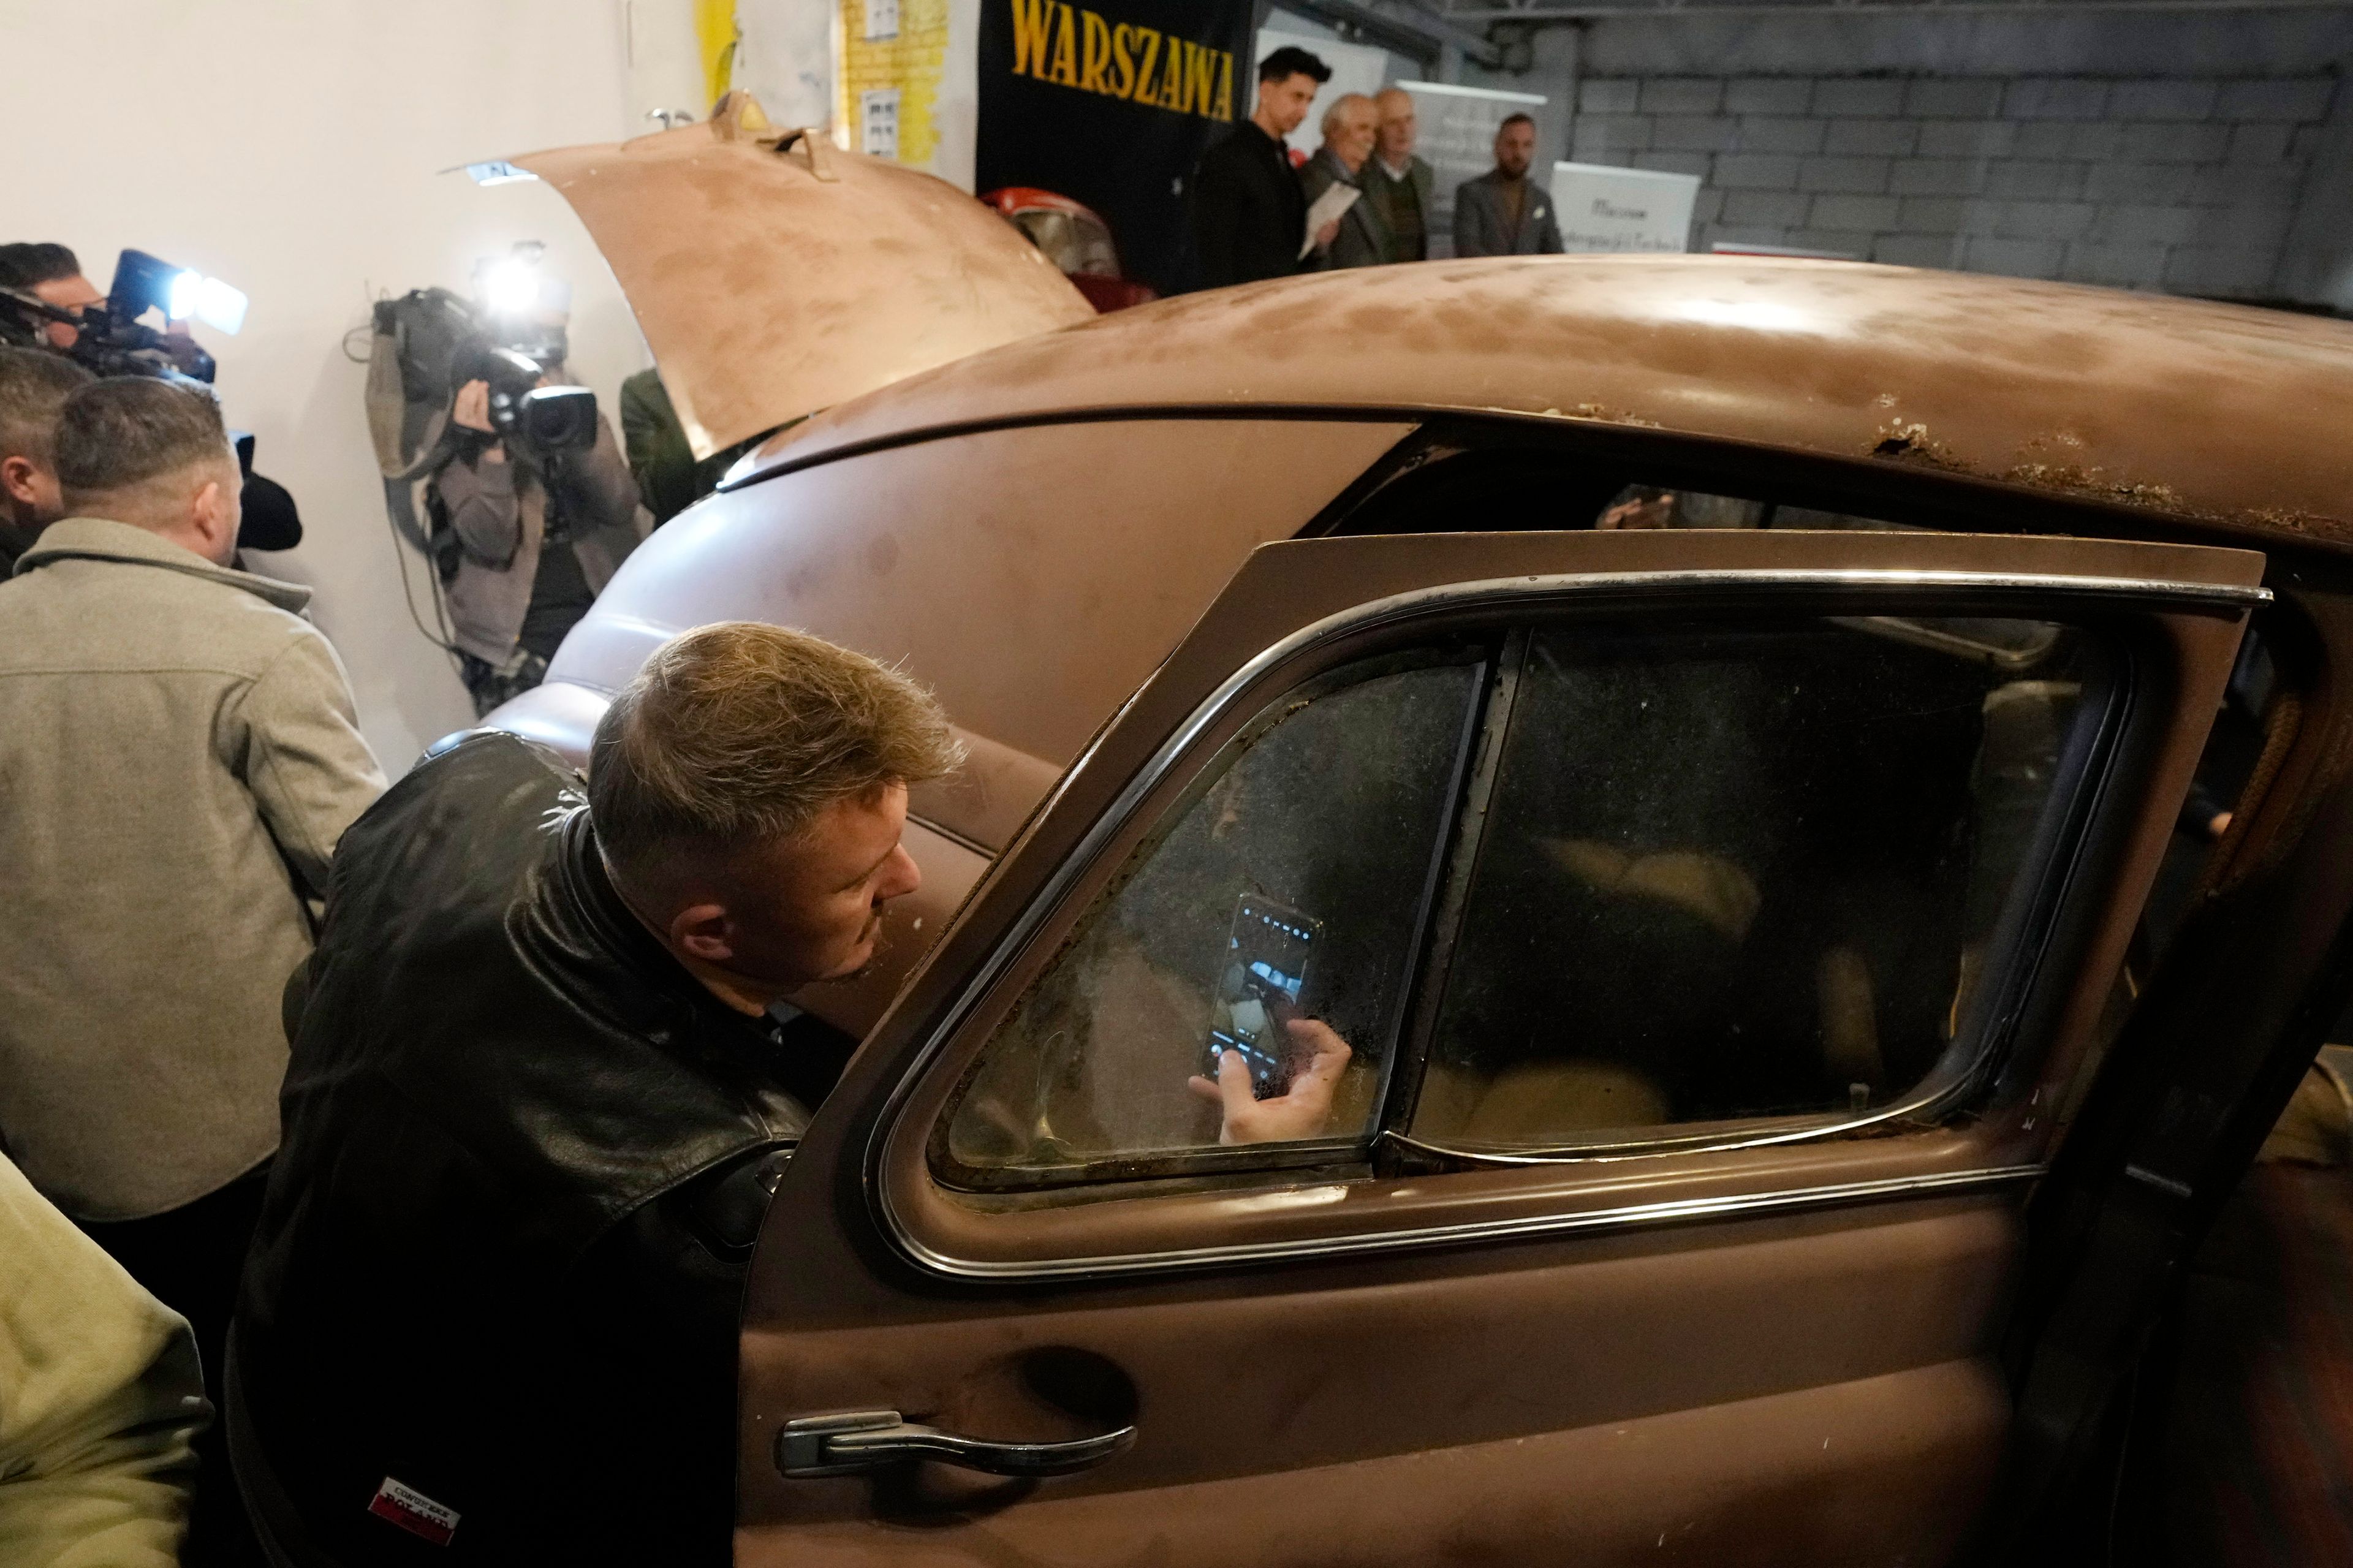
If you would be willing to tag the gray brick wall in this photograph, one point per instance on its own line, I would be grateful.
(2187, 184)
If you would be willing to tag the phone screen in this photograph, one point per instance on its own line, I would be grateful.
(1267, 955)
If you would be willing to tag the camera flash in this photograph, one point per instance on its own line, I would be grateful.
(218, 306)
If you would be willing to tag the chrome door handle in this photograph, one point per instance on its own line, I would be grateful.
(853, 1441)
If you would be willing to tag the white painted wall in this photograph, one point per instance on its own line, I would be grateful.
(290, 146)
(786, 57)
(665, 61)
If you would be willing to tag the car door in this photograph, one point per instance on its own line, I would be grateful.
(1721, 926)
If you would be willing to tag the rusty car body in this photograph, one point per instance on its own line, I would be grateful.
(996, 1319)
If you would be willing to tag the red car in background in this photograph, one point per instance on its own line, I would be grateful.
(1077, 241)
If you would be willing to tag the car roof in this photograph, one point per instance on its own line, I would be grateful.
(2192, 409)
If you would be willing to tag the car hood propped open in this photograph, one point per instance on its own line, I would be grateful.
(774, 275)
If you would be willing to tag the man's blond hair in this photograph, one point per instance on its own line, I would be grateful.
(735, 735)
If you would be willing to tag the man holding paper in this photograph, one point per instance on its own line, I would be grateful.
(1250, 218)
(1356, 238)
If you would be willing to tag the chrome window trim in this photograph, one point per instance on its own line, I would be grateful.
(2151, 592)
(1533, 1226)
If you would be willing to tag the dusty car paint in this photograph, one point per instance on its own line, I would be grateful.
(770, 281)
(2206, 411)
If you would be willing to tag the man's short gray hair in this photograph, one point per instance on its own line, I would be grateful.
(34, 387)
(122, 432)
(734, 736)
(1340, 107)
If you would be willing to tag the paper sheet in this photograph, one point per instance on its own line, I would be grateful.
(1335, 201)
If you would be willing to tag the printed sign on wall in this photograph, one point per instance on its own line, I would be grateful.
(1603, 208)
(1109, 103)
(891, 78)
(1458, 127)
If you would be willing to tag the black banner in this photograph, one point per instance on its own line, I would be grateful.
(1109, 103)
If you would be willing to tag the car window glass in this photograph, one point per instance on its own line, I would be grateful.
(1291, 880)
(1073, 244)
(1656, 506)
(1741, 872)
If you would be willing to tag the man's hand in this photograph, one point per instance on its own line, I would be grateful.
(473, 406)
(1300, 1111)
(1324, 238)
(472, 410)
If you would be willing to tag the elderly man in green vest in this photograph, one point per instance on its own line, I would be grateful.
(1396, 183)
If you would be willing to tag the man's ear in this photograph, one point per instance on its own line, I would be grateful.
(704, 932)
(16, 480)
(212, 512)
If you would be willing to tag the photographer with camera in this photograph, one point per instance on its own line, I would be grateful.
(52, 275)
(526, 535)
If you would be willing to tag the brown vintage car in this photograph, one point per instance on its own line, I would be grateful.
(1795, 1049)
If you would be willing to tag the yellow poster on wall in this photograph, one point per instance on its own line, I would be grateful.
(893, 56)
(716, 32)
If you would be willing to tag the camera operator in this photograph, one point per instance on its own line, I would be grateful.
(34, 386)
(533, 538)
(51, 274)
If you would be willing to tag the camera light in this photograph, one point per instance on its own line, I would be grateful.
(180, 294)
(513, 286)
(208, 300)
(220, 307)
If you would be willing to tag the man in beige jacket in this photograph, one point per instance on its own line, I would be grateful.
(178, 756)
(99, 1398)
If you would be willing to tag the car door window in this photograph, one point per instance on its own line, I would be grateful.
(1290, 880)
(1747, 871)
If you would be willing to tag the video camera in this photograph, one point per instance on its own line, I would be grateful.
(440, 341)
(545, 418)
(110, 338)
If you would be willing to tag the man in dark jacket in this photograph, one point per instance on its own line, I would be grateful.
(1249, 216)
(537, 1104)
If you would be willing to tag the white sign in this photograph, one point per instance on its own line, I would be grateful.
(1604, 209)
(1456, 137)
(878, 123)
(881, 18)
(1356, 68)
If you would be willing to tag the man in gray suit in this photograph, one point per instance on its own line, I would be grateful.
(1502, 212)
(1348, 133)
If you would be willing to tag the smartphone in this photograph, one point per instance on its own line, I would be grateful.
(1267, 955)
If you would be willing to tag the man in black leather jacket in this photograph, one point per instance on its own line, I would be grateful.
(536, 1105)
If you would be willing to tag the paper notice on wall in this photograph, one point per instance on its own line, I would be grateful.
(1329, 208)
(878, 123)
(1456, 137)
(1604, 208)
(1356, 68)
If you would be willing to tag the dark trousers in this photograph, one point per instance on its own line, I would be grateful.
(190, 1258)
